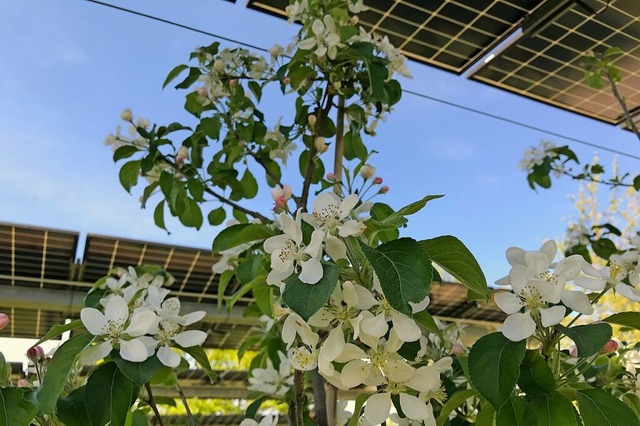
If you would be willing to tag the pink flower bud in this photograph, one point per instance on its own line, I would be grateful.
(126, 114)
(202, 92)
(35, 354)
(383, 190)
(284, 192)
(4, 320)
(47, 360)
(367, 171)
(233, 82)
(286, 80)
(574, 352)
(331, 176)
(609, 347)
(182, 154)
(457, 349)
(22, 383)
(377, 180)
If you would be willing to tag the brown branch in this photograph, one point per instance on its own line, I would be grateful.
(298, 385)
(235, 205)
(590, 178)
(183, 397)
(152, 404)
(339, 149)
(623, 105)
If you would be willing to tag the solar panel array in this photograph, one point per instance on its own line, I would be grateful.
(549, 66)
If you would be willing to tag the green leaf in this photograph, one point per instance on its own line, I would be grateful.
(512, 413)
(129, 174)
(625, 319)
(173, 74)
(307, 299)
(5, 371)
(217, 216)
(253, 408)
(203, 361)
(404, 270)
(599, 408)
(535, 375)
(235, 235)
(62, 362)
(454, 257)
(633, 401)
(263, 293)
(139, 418)
(138, 372)
(636, 183)
(57, 330)
(158, 215)
(354, 147)
(360, 400)
(412, 208)
(486, 416)
(589, 339)
(255, 89)
(551, 410)
(194, 74)
(191, 215)
(494, 366)
(196, 189)
(425, 319)
(71, 409)
(15, 410)
(249, 185)
(124, 151)
(453, 402)
(225, 278)
(108, 395)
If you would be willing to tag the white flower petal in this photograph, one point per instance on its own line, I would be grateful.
(349, 294)
(322, 318)
(366, 300)
(516, 256)
(552, 316)
(168, 357)
(377, 409)
(350, 352)
(311, 271)
(333, 346)
(193, 317)
(594, 284)
(314, 249)
(405, 327)
(421, 306)
(518, 278)
(95, 353)
(133, 350)
(93, 320)
(424, 379)
(336, 249)
(443, 364)
(550, 249)
(630, 293)
(577, 301)
(570, 267)
(354, 373)
(276, 242)
(117, 310)
(190, 338)
(398, 371)
(413, 407)
(143, 321)
(518, 327)
(351, 227)
(508, 302)
(291, 227)
(374, 326)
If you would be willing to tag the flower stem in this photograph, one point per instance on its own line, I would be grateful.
(183, 397)
(152, 404)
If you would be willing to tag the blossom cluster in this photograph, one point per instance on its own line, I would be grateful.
(540, 297)
(536, 155)
(136, 318)
(118, 140)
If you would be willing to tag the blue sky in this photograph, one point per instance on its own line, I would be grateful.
(68, 69)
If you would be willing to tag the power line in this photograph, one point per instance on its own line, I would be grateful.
(420, 95)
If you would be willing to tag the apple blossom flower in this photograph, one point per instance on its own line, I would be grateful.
(182, 154)
(4, 320)
(117, 328)
(265, 421)
(284, 148)
(325, 38)
(356, 6)
(290, 255)
(271, 381)
(297, 11)
(294, 325)
(612, 276)
(304, 359)
(281, 196)
(320, 144)
(276, 51)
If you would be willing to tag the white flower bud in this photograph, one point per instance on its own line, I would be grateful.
(218, 65)
(312, 120)
(320, 144)
(354, 20)
(367, 171)
(126, 114)
(276, 51)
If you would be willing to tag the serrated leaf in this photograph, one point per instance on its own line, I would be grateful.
(15, 410)
(71, 409)
(306, 299)
(58, 370)
(173, 74)
(235, 235)
(124, 151)
(453, 402)
(494, 367)
(129, 174)
(625, 319)
(108, 395)
(589, 339)
(454, 257)
(599, 408)
(57, 330)
(138, 372)
(535, 375)
(404, 270)
(551, 410)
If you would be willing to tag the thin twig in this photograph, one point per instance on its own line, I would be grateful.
(623, 105)
(298, 385)
(186, 405)
(339, 149)
(152, 404)
(236, 206)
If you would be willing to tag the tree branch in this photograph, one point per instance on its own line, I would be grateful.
(152, 404)
(186, 405)
(236, 206)
(339, 149)
(623, 105)
(298, 385)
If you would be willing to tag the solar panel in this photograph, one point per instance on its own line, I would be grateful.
(449, 34)
(548, 63)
